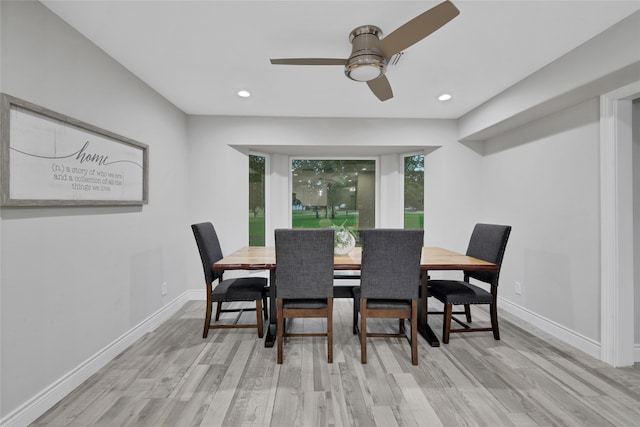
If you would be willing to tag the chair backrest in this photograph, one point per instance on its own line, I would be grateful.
(304, 263)
(488, 242)
(209, 248)
(391, 263)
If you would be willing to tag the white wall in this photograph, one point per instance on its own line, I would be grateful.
(75, 279)
(636, 217)
(453, 196)
(543, 179)
(604, 63)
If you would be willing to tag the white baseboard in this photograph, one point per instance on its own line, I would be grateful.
(554, 329)
(196, 295)
(47, 398)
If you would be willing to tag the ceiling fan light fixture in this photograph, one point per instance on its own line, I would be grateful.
(366, 62)
(364, 72)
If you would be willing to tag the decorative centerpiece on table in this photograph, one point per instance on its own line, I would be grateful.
(343, 238)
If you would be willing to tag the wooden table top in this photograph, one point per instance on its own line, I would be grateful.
(433, 258)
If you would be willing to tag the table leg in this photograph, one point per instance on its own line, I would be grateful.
(423, 324)
(272, 329)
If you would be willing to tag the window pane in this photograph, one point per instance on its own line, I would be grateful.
(336, 192)
(414, 192)
(256, 200)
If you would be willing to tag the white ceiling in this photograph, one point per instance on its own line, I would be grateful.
(198, 54)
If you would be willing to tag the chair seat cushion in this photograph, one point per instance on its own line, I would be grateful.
(240, 289)
(380, 303)
(304, 303)
(458, 292)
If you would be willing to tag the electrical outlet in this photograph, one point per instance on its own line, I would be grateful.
(164, 288)
(518, 289)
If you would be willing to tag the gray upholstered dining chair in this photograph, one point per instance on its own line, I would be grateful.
(389, 283)
(488, 242)
(229, 290)
(304, 280)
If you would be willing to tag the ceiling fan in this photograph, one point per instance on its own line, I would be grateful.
(371, 52)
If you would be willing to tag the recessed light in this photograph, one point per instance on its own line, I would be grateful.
(444, 97)
(244, 93)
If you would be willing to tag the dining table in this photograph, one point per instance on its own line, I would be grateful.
(432, 258)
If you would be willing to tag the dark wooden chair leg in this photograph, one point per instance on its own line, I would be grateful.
(207, 317)
(207, 321)
(414, 332)
(259, 318)
(280, 330)
(330, 330)
(467, 312)
(400, 326)
(355, 319)
(218, 310)
(494, 320)
(446, 323)
(363, 330)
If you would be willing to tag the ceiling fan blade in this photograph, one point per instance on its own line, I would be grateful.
(418, 28)
(309, 61)
(381, 88)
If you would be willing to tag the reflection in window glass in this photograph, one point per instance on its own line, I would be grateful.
(414, 192)
(256, 200)
(339, 192)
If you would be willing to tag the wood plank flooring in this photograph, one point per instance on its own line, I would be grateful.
(173, 377)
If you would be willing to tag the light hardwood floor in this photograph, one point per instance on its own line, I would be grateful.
(173, 377)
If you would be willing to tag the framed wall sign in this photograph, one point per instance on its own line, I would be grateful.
(48, 159)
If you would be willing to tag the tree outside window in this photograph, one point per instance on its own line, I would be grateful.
(257, 200)
(414, 192)
(339, 192)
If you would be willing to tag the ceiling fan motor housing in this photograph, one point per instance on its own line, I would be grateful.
(366, 62)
